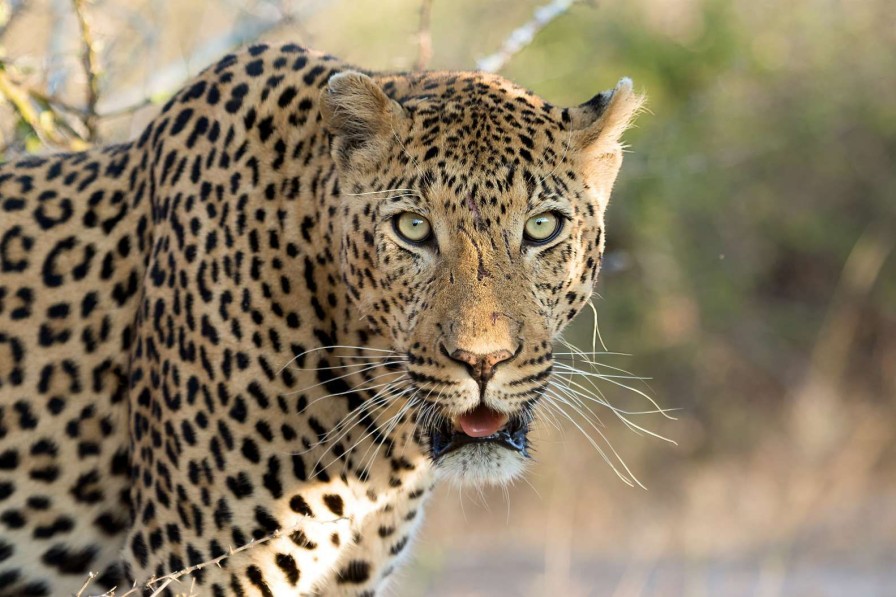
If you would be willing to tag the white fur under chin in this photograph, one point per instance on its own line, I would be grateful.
(481, 464)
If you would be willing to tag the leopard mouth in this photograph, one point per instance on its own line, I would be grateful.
(479, 427)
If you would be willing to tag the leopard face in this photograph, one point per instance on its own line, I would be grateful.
(472, 234)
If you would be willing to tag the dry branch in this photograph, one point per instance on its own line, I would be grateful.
(424, 36)
(169, 78)
(158, 585)
(43, 123)
(91, 69)
(522, 36)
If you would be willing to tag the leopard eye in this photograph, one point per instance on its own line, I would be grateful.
(412, 227)
(542, 228)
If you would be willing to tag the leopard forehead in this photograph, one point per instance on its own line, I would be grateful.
(477, 124)
(474, 105)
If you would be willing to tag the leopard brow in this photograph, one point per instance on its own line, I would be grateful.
(547, 202)
(398, 203)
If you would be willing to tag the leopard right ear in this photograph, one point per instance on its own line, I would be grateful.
(360, 116)
(598, 124)
(596, 129)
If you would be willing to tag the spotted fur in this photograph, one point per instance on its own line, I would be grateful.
(212, 337)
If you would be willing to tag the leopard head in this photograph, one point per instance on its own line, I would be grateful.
(472, 218)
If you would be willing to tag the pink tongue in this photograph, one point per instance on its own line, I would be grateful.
(481, 422)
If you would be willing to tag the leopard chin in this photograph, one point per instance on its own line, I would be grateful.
(481, 464)
(495, 459)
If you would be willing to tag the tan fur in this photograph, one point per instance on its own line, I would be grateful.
(213, 337)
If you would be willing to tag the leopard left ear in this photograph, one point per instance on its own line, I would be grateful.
(598, 124)
(359, 115)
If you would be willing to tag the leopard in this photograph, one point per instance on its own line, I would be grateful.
(239, 352)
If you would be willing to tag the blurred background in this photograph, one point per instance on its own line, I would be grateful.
(749, 275)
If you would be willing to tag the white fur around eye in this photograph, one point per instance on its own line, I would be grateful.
(542, 227)
(412, 227)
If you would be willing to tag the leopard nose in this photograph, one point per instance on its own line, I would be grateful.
(480, 366)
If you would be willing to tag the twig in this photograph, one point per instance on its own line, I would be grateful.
(164, 581)
(158, 585)
(90, 577)
(523, 36)
(424, 36)
(91, 69)
(58, 104)
(169, 78)
(21, 102)
(55, 102)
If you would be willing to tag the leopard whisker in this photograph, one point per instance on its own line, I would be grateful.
(591, 352)
(338, 427)
(583, 356)
(397, 356)
(376, 401)
(577, 397)
(348, 451)
(564, 392)
(343, 376)
(361, 387)
(595, 365)
(377, 426)
(349, 365)
(427, 407)
(614, 381)
(595, 330)
(430, 409)
(388, 395)
(330, 348)
(586, 393)
(553, 418)
(629, 478)
(390, 425)
(574, 371)
(576, 353)
(396, 190)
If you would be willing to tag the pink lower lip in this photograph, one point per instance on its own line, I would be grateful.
(481, 422)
